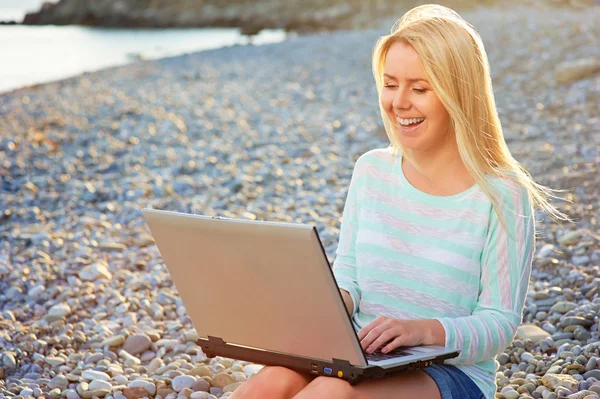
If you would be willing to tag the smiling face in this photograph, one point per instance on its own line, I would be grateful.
(407, 94)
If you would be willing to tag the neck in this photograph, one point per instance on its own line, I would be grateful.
(439, 161)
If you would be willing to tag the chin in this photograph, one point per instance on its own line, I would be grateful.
(409, 142)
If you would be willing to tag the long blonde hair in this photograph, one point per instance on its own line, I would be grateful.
(455, 61)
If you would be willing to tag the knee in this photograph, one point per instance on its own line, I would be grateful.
(330, 387)
(272, 382)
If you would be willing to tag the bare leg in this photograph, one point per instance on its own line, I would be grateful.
(408, 385)
(272, 383)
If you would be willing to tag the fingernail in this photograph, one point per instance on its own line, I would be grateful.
(384, 350)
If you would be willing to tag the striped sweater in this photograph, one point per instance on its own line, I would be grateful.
(406, 254)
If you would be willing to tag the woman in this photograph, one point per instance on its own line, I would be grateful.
(438, 230)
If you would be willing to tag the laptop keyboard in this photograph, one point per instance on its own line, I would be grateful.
(378, 356)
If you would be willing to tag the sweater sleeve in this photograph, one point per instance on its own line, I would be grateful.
(344, 266)
(505, 272)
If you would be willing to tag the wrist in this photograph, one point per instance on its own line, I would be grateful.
(434, 333)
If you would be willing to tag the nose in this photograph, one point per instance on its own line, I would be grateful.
(401, 99)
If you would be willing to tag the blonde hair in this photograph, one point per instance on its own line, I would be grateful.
(454, 59)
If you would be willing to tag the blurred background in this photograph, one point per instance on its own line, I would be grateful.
(65, 45)
(255, 110)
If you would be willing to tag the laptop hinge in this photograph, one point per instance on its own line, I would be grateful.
(208, 345)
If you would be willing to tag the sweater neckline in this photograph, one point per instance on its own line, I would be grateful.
(415, 191)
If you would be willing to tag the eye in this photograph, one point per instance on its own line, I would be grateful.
(388, 86)
(420, 91)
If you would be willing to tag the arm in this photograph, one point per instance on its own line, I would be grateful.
(344, 266)
(347, 301)
(506, 268)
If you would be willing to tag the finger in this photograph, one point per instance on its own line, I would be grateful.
(367, 329)
(396, 343)
(372, 335)
(385, 337)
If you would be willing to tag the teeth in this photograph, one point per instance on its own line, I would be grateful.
(406, 122)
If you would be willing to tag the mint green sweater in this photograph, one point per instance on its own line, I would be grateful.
(406, 254)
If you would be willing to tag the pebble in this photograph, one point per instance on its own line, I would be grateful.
(183, 381)
(95, 272)
(57, 312)
(95, 375)
(553, 381)
(134, 393)
(202, 395)
(251, 369)
(201, 385)
(8, 359)
(148, 386)
(137, 344)
(592, 374)
(72, 394)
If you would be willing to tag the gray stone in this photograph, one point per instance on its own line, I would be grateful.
(526, 356)
(59, 381)
(563, 307)
(592, 373)
(72, 394)
(8, 359)
(136, 344)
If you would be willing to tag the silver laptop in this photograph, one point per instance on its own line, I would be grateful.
(264, 292)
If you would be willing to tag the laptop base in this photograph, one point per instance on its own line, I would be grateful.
(213, 346)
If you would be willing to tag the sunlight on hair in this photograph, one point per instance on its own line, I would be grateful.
(455, 61)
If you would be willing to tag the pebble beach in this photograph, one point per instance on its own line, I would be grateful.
(271, 132)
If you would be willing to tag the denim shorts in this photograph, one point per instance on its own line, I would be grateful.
(453, 383)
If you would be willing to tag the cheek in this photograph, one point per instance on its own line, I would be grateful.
(436, 107)
(386, 101)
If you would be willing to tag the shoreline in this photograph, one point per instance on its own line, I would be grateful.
(260, 132)
(89, 49)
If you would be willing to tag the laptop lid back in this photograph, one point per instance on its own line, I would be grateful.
(258, 284)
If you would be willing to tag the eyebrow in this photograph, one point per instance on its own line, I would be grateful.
(411, 80)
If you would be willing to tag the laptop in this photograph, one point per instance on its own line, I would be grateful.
(264, 292)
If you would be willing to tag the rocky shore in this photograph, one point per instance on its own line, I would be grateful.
(251, 16)
(87, 308)
(298, 16)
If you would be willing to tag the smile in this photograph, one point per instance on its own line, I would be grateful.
(408, 122)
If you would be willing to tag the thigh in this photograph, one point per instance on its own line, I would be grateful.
(408, 385)
(273, 382)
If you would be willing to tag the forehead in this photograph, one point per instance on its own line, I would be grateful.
(403, 62)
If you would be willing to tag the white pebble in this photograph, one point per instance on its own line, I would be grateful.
(95, 375)
(100, 384)
(183, 381)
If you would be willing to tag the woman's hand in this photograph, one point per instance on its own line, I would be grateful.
(394, 333)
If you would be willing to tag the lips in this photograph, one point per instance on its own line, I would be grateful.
(411, 128)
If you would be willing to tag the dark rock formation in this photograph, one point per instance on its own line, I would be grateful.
(250, 15)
